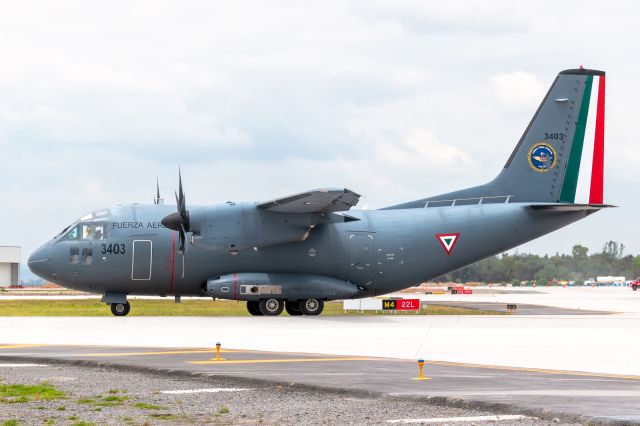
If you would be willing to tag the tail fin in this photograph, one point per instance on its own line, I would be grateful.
(561, 153)
(560, 156)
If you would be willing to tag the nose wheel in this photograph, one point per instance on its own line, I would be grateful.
(120, 309)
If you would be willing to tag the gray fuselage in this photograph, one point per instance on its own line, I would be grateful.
(380, 252)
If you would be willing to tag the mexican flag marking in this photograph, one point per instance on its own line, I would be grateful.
(448, 241)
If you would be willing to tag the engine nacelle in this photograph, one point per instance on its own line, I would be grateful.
(287, 286)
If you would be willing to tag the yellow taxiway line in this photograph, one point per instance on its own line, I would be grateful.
(266, 361)
(535, 370)
(192, 351)
(19, 346)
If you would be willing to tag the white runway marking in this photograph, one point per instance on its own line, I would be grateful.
(22, 365)
(459, 419)
(210, 390)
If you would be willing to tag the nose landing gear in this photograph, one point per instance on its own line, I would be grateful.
(120, 309)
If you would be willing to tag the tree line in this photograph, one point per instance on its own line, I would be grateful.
(543, 270)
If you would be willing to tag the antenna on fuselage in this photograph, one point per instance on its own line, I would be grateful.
(157, 199)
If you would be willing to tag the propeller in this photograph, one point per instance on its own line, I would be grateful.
(179, 221)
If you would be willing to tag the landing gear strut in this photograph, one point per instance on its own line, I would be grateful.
(120, 309)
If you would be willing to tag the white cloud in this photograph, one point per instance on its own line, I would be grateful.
(517, 90)
(423, 150)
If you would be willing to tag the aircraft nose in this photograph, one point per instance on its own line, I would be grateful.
(40, 262)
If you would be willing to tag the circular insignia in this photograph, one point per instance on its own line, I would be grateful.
(542, 157)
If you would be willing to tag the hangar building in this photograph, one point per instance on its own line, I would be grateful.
(9, 266)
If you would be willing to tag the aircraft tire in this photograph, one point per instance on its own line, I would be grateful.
(292, 308)
(271, 307)
(254, 308)
(311, 306)
(120, 309)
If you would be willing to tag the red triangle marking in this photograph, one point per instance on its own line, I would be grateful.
(448, 241)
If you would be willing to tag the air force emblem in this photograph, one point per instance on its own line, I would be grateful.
(542, 157)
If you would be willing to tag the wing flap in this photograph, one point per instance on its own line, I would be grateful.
(315, 201)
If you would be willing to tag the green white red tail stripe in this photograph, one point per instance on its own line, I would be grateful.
(597, 174)
(584, 175)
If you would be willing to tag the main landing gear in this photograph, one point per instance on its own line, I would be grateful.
(120, 309)
(274, 307)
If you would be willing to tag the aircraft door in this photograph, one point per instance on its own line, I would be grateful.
(141, 260)
(361, 270)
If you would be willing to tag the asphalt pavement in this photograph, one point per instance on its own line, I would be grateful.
(568, 395)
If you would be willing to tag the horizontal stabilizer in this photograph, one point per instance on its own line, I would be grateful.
(559, 207)
(315, 201)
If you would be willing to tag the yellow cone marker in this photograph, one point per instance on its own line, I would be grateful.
(421, 376)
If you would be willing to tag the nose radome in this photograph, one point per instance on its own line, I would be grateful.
(40, 262)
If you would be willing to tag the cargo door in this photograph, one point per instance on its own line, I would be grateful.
(141, 260)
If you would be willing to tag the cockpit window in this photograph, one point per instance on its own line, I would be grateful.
(86, 231)
(74, 234)
(99, 233)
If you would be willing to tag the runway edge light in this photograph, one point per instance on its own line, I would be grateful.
(420, 374)
(218, 346)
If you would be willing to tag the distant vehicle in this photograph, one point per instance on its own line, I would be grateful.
(635, 284)
(605, 280)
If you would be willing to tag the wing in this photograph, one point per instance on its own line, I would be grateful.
(316, 201)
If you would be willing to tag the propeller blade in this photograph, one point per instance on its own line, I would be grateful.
(183, 239)
(180, 191)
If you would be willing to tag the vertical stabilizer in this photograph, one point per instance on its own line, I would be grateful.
(560, 156)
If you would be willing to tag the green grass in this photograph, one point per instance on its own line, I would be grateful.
(12, 422)
(206, 307)
(223, 409)
(163, 416)
(110, 401)
(26, 393)
(145, 406)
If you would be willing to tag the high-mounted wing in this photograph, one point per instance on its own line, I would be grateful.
(315, 201)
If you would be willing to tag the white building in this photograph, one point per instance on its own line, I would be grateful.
(9, 266)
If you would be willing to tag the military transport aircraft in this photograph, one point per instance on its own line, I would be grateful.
(299, 251)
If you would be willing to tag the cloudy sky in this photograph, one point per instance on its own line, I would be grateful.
(397, 100)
